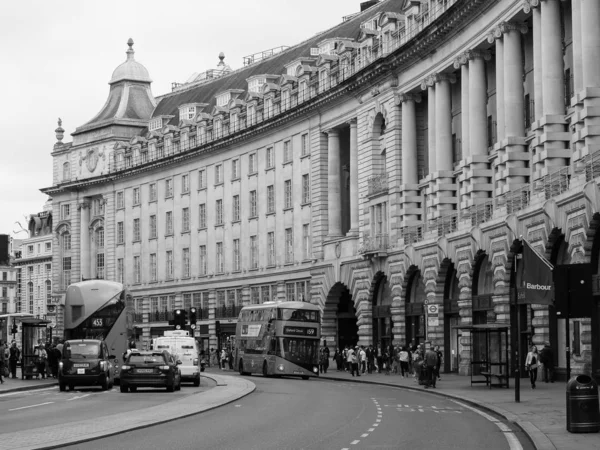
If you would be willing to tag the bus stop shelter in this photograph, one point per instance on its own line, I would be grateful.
(489, 350)
(29, 364)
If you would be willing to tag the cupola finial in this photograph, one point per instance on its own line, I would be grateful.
(60, 132)
(130, 51)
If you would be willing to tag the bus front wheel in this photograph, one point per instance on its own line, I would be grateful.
(241, 368)
(304, 377)
(265, 369)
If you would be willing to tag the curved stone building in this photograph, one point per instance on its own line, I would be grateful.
(386, 164)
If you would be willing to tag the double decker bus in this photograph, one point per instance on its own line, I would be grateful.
(278, 338)
(97, 309)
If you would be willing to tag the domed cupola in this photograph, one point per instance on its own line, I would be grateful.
(129, 105)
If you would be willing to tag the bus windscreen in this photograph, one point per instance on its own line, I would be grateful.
(298, 315)
(300, 350)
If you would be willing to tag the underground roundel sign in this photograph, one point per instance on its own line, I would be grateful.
(432, 309)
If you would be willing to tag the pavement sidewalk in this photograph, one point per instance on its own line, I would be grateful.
(541, 413)
(17, 384)
(227, 390)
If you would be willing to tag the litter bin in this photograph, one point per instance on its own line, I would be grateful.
(583, 410)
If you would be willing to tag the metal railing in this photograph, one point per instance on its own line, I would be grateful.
(374, 244)
(251, 59)
(516, 200)
(377, 184)
(412, 234)
(590, 164)
(480, 213)
(554, 184)
(227, 312)
(138, 317)
(445, 224)
(160, 316)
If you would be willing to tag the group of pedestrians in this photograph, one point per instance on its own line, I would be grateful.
(9, 358)
(412, 360)
(543, 359)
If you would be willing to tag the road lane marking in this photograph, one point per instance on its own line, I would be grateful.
(78, 397)
(364, 435)
(511, 438)
(355, 442)
(371, 429)
(376, 424)
(30, 406)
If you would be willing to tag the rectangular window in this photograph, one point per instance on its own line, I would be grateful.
(120, 270)
(236, 255)
(136, 196)
(65, 212)
(66, 242)
(30, 249)
(287, 152)
(219, 212)
(203, 260)
(305, 188)
(251, 115)
(290, 292)
(288, 194)
(253, 204)
(235, 169)
(270, 199)
(48, 246)
(185, 220)
(185, 184)
(120, 200)
(153, 268)
(120, 233)
(169, 265)
(136, 230)
(153, 229)
(271, 248)
(168, 188)
(270, 158)
(304, 144)
(289, 245)
(252, 163)
(253, 252)
(169, 223)
(306, 241)
(137, 275)
(236, 208)
(201, 179)
(100, 266)
(152, 194)
(186, 262)
(202, 216)
(219, 257)
(218, 174)
(98, 206)
(255, 295)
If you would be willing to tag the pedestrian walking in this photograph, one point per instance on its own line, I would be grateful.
(353, 361)
(370, 359)
(230, 358)
(214, 359)
(223, 359)
(379, 358)
(547, 360)
(404, 355)
(386, 360)
(347, 362)
(339, 359)
(326, 355)
(531, 363)
(41, 356)
(14, 354)
(2, 362)
(439, 363)
(362, 356)
(431, 361)
(417, 363)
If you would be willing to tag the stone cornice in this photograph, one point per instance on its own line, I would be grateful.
(407, 97)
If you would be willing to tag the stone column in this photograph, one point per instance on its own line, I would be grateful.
(513, 80)
(478, 137)
(590, 35)
(577, 47)
(428, 84)
(465, 111)
(334, 184)
(443, 122)
(552, 59)
(495, 36)
(409, 139)
(84, 239)
(354, 221)
(538, 73)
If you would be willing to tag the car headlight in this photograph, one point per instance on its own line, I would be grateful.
(125, 367)
(195, 361)
(60, 365)
(315, 369)
(165, 368)
(280, 367)
(103, 366)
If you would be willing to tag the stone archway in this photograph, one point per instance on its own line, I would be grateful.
(381, 301)
(339, 325)
(415, 301)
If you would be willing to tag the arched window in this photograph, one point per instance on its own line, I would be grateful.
(66, 171)
(99, 241)
(48, 291)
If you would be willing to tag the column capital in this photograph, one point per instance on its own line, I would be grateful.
(332, 132)
(353, 122)
(85, 204)
(428, 82)
(478, 54)
(407, 97)
(461, 60)
(495, 33)
(506, 27)
(445, 77)
(528, 5)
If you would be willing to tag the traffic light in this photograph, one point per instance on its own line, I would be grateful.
(179, 319)
(217, 327)
(193, 318)
(14, 329)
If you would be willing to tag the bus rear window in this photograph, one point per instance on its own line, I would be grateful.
(82, 350)
(298, 315)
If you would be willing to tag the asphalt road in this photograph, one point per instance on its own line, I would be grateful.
(319, 414)
(49, 406)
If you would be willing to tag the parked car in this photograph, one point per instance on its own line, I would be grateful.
(86, 362)
(150, 369)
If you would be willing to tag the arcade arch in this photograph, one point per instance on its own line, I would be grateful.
(339, 323)
(415, 314)
(451, 321)
(382, 312)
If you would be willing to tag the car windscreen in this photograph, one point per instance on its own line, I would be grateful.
(146, 359)
(82, 350)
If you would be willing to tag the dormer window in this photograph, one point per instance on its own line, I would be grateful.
(323, 80)
(218, 128)
(293, 70)
(268, 107)
(251, 115)
(285, 99)
(155, 124)
(256, 84)
(187, 112)
(223, 99)
(302, 90)
(233, 123)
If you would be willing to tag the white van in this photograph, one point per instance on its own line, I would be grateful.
(185, 349)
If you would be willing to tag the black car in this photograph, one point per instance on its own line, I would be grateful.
(86, 362)
(150, 369)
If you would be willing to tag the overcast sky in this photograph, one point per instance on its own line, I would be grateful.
(58, 56)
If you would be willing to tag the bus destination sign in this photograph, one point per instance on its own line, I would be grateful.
(250, 330)
(300, 331)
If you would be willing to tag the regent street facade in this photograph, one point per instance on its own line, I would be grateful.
(388, 163)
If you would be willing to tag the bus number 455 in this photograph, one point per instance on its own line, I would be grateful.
(97, 322)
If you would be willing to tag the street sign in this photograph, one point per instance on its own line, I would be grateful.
(432, 309)
(433, 321)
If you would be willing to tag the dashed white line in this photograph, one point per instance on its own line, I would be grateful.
(371, 429)
(30, 406)
(364, 435)
(355, 442)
